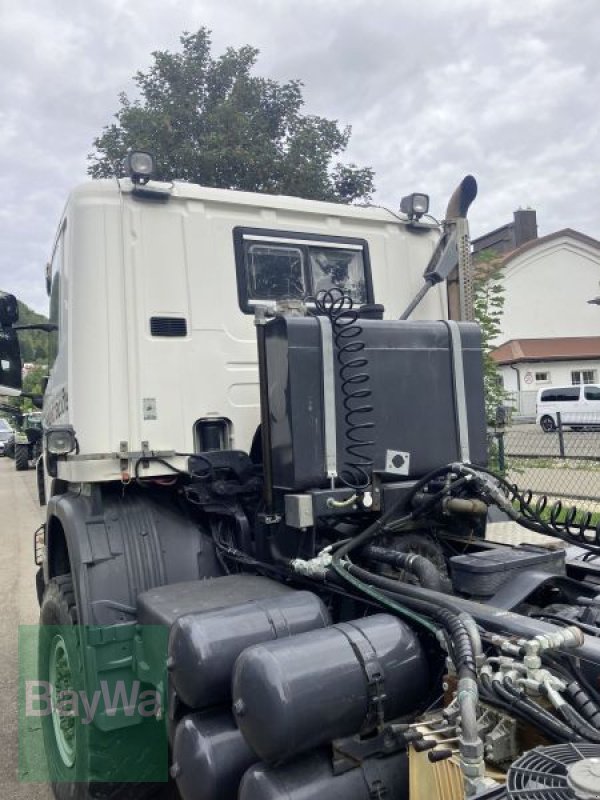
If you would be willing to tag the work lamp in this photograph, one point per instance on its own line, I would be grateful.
(415, 205)
(140, 166)
(60, 440)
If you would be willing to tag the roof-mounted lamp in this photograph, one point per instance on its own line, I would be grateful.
(415, 205)
(140, 166)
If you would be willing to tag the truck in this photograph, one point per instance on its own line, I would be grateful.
(265, 569)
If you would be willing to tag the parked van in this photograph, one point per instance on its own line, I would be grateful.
(579, 406)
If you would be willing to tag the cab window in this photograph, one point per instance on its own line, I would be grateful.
(55, 298)
(279, 265)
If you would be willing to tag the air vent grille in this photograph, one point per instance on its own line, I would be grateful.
(168, 326)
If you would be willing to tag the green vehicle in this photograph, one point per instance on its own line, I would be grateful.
(28, 441)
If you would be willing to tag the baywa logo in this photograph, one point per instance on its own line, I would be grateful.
(43, 699)
(91, 704)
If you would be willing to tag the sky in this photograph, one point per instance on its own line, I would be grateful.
(507, 90)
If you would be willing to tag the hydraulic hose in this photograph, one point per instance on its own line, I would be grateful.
(584, 704)
(422, 568)
(549, 725)
(470, 743)
(570, 716)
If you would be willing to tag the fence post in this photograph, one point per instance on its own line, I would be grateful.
(501, 452)
(561, 438)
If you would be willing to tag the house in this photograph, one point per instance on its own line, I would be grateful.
(527, 365)
(550, 332)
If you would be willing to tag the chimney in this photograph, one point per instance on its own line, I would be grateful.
(525, 226)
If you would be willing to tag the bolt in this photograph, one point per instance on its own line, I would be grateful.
(239, 708)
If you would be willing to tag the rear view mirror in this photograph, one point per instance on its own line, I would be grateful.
(9, 310)
(10, 363)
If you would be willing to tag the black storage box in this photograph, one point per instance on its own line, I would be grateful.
(482, 574)
(412, 383)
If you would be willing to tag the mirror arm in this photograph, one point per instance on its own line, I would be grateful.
(46, 327)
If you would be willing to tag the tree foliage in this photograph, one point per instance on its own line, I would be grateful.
(212, 121)
(488, 307)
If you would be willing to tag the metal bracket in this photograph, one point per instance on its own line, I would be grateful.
(460, 394)
(329, 416)
(367, 657)
(124, 459)
(352, 751)
(377, 788)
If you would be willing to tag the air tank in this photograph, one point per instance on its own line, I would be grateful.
(311, 778)
(209, 756)
(293, 695)
(203, 647)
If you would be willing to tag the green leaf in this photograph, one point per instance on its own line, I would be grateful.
(211, 120)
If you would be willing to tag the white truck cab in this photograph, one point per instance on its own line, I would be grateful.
(153, 291)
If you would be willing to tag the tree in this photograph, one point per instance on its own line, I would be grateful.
(212, 121)
(488, 307)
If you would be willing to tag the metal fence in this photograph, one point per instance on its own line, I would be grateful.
(563, 463)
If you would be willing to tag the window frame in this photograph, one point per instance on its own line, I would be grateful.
(241, 234)
(55, 310)
(581, 373)
(542, 380)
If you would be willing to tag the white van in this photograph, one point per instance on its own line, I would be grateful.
(579, 406)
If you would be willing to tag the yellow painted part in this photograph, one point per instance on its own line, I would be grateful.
(427, 781)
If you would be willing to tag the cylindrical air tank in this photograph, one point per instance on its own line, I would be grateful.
(203, 647)
(293, 695)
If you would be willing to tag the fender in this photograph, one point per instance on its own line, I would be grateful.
(116, 546)
(120, 545)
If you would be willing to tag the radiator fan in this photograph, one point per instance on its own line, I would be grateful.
(559, 772)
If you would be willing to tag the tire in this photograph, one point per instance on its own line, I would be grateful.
(21, 457)
(547, 424)
(78, 753)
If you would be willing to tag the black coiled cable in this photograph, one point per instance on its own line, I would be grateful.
(553, 519)
(338, 307)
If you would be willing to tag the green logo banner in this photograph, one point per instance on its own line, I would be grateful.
(92, 703)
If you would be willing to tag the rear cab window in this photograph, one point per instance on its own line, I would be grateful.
(279, 265)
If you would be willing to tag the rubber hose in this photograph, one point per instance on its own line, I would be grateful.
(559, 733)
(511, 695)
(584, 704)
(448, 619)
(422, 568)
(541, 719)
(578, 723)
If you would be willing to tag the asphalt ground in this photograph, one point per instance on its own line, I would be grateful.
(20, 515)
(529, 439)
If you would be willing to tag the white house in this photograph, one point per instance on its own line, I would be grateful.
(548, 283)
(550, 331)
(527, 365)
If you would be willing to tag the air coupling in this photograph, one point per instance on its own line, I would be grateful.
(312, 778)
(296, 694)
(203, 646)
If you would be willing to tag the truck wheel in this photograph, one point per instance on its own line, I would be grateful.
(77, 753)
(21, 457)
